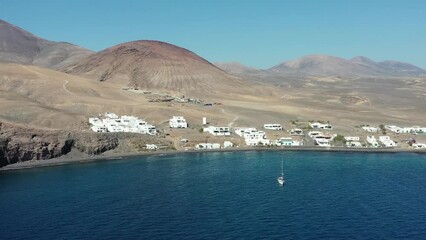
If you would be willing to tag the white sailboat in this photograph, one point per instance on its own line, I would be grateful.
(280, 179)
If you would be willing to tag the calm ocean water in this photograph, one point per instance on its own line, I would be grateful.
(232, 195)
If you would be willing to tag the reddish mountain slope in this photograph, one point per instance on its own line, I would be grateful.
(155, 65)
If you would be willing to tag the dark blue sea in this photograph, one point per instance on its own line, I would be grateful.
(224, 195)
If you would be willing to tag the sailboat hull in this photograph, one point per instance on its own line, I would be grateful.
(280, 180)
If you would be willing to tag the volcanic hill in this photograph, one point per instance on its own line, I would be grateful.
(154, 65)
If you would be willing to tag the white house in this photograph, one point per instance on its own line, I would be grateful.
(320, 125)
(352, 139)
(322, 142)
(256, 138)
(242, 131)
(218, 131)
(178, 122)
(99, 128)
(353, 144)
(385, 140)
(228, 144)
(313, 134)
(111, 115)
(208, 146)
(372, 141)
(370, 129)
(273, 126)
(418, 145)
(151, 147)
(393, 128)
(296, 131)
(288, 142)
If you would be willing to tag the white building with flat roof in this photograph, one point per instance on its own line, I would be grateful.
(387, 141)
(178, 122)
(208, 146)
(242, 131)
(288, 141)
(418, 145)
(370, 129)
(218, 131)
(296, 131)
(319, 125)
(273, 126)
(372, 141)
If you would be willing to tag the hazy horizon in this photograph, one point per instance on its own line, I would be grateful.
(254, 33)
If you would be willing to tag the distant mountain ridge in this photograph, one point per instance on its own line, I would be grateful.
(325, 65)
(20, 46)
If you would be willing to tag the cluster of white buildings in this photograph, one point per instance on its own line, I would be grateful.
(414, 130)
(397, 129)
(111, 122)
(226, 144)
(253, 137)
(114, 123)
(386, 141)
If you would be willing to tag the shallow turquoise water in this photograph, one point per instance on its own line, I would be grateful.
(224, 195)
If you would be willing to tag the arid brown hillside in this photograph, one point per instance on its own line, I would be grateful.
(20, 46)
(154, 65)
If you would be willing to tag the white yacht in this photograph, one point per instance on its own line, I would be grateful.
(280, 179)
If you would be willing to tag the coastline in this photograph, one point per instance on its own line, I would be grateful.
(119, 156)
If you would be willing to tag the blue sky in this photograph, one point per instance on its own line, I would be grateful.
(256, 33)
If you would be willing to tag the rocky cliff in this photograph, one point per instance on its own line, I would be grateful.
(19, 143)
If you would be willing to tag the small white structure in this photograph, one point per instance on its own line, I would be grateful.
(286, 141)
(352, 139)
(151, 147)
(218, 131)
(418, 145)
(370, 129)
(353, 144)
(322, 142)
(204, 120)
(296, 131)
(228, 144)
(208, 146)
(372, 141)
(178, 122)
(320, 125)
(273, 126)
(385, 140)
(313, 134)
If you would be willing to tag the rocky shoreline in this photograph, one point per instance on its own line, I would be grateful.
(107, 156)
(20, 144)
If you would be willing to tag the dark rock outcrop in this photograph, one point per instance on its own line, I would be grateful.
(18, 143)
